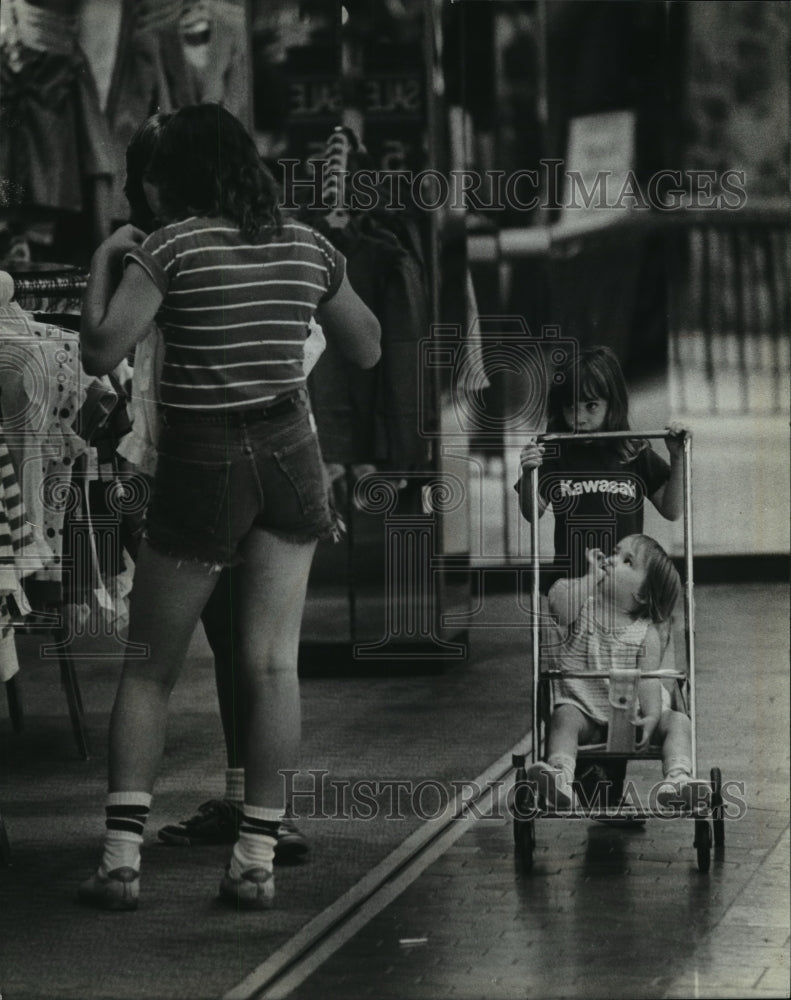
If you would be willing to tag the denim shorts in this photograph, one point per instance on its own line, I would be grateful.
(220, 475)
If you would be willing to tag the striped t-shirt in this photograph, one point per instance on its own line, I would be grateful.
(234, 315)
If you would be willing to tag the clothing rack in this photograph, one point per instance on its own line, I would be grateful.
(46, 288)
(362, 611)
(34, 285)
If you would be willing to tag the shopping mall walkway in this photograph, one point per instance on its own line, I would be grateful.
(611, 912)
(605, 912)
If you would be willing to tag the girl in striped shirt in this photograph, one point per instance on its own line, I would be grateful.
(239, 478)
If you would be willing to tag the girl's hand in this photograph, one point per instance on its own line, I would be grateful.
(124, 238)
(675, 438)
(531, 456)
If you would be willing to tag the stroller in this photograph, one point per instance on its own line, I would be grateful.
(601, 768)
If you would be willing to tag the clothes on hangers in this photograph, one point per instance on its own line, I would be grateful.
(52, 412)
(18, 558)
(214, 40)
(97, 589)
(150, 73)
(41, 392)
(53, 135)
(374, 416)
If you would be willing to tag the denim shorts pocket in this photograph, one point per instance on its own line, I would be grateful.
(300, 462)
(189, 495)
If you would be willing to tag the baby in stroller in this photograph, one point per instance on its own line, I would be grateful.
(615, 617)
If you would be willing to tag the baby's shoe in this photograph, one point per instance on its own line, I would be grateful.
(554, 789)
(115, 890)
(253, 890)
(690, 794)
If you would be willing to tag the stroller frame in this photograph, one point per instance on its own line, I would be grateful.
(709, 824)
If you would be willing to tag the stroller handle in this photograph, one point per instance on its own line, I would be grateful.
(607, 435)
(648, 675)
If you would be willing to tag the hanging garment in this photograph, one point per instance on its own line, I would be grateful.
(96, 589)
(40, 394)
(140, 446)
(150, 74)
(51, 293)
(44, 397)
(374, 416)
(98, 35)
(53, 135)
(18, 559)
(214, 38)
(9, 664)
(49, 407)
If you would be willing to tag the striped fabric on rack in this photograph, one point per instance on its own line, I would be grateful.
(15, 535)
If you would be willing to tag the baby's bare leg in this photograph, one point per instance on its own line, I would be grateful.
(567, 729)
(674, 734)
(680, 787)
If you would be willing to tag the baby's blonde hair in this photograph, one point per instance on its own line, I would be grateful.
(662, 586)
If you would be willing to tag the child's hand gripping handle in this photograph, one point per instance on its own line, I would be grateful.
(531, 456)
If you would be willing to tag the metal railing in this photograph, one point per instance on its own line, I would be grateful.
(728, 294)
(730, 310)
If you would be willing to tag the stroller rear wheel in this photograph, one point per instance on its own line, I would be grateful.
(703, 844)
(717, 809)
(523, 812)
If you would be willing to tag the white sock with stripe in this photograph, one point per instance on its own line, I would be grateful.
(255, 847)
(126, 814)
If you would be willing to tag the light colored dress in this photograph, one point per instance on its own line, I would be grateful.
(590, 646)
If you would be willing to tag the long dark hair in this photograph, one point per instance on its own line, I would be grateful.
(594, 373)
(139, 154)
(206, 163)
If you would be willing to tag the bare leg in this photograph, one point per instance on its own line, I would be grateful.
(674, 733)
(167, 599)
(272, 585)
(234, 646)
(680, 788)
(220, 622)
(567, 729)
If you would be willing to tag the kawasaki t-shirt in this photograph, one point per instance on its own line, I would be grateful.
(596, 497)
